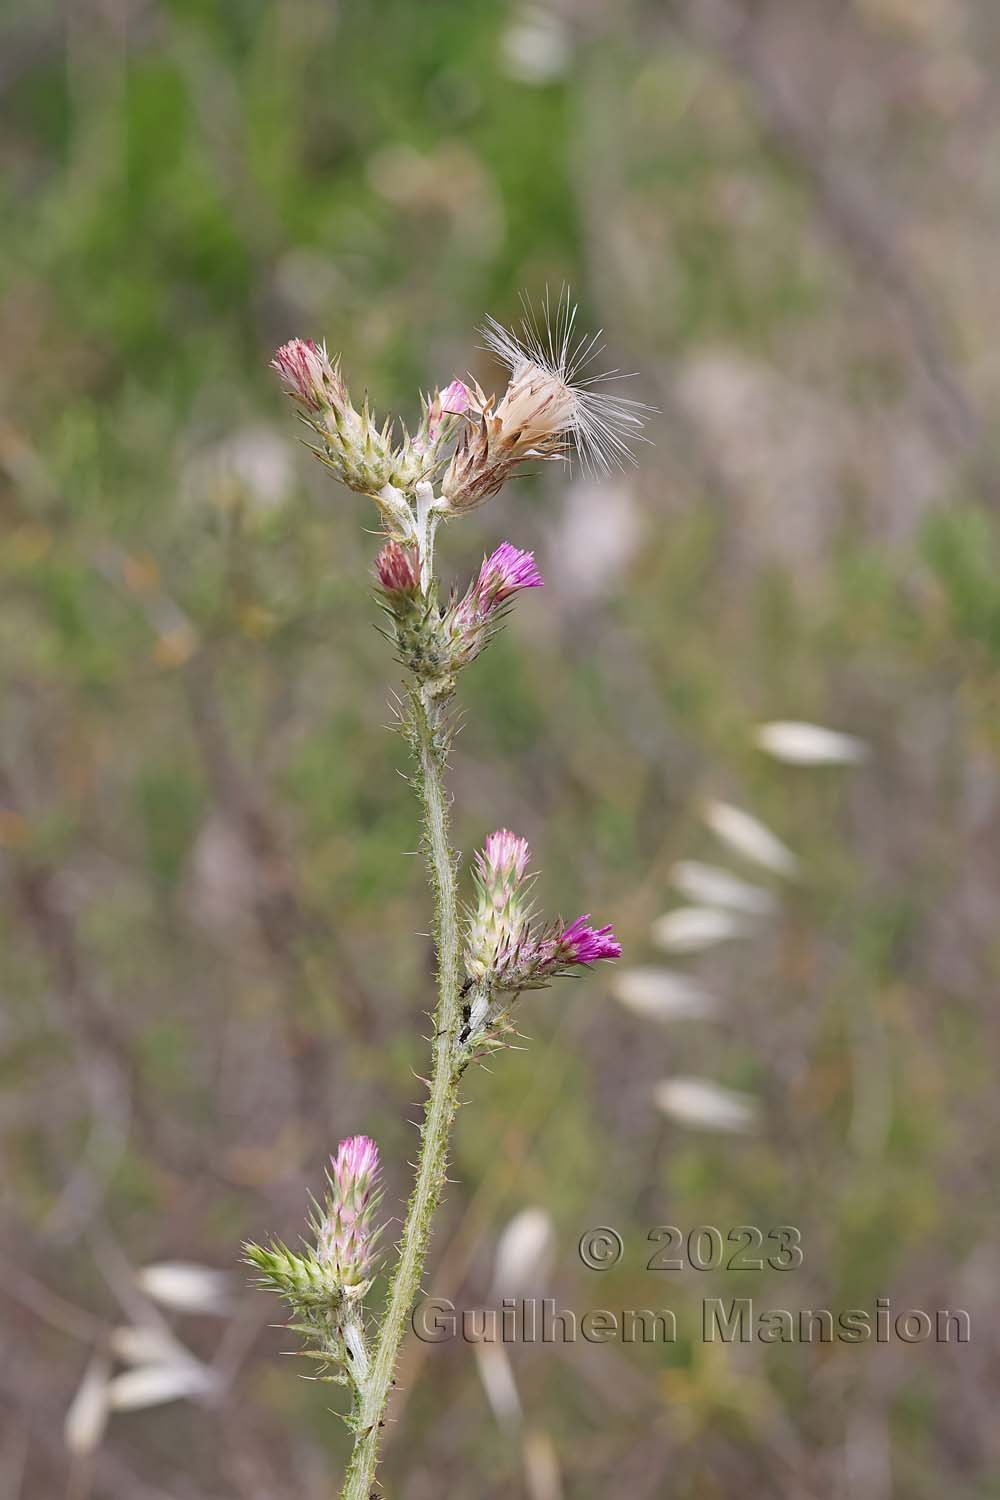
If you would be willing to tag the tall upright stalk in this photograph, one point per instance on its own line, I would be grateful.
(429, 743)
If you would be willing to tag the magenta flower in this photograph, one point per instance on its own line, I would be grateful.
(505, 945)
(503, 574)
(541, 955)
(345, 1236)
(580, 944)
(398, 570)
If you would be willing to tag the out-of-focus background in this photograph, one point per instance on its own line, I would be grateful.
(785, 217)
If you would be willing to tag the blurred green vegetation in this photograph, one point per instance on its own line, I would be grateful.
(784, 217)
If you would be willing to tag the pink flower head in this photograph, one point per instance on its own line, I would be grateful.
(477, 616)
(307, 374)
(504, 856)
(356, 1165)
(581, 944)
(501, 919)
(345, 1236)
(504, 573)
(398, 570)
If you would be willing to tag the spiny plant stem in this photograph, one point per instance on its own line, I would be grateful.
(439, 1111)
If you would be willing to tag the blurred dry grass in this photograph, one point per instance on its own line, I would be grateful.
(785, 216)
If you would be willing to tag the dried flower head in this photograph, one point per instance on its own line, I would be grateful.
(549, 407)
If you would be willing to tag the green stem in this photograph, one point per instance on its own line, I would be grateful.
(439, 1111)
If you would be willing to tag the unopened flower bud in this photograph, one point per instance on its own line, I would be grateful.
(420, 456)
(357, 451)
(452, 402)
(397, 569)
(307, 375)
(300, 1278)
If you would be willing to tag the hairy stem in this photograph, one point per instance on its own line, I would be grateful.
(439, 1111)
(425, 528)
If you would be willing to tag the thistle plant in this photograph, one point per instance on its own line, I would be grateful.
(467, 446)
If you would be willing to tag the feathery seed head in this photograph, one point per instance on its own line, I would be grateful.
(549, 407)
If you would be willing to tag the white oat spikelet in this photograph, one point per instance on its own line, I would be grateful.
(798, 744)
